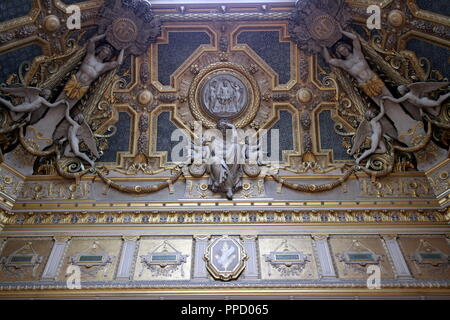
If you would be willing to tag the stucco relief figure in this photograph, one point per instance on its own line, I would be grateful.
(225, 154)
(78, 131)
(237, 98)
(224, 96)
(212, 101)
(94, 65)
(352, 60)
(370, 127)
(34, 99)
(224, 161)
(227, 256)
(414, 94)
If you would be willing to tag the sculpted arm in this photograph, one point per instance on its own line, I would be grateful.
(92, 41)
(71, 121)
(52, 105)
(333, 62)
(354, 38)
(111, 65)
(402, 99)
(381, 114)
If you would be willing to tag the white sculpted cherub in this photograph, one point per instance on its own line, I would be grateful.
(34, 99)
(370, 126)
(77, 130)
(415, 94)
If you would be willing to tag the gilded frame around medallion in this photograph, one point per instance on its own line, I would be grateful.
(244, 118)
(212, 259)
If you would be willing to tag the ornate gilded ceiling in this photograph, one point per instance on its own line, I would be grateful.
(349, 126)
(172, 68)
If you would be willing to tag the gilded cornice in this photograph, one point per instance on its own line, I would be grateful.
(423, 288)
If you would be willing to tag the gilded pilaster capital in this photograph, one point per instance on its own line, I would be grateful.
(62, 238)
(389, 236)
(131, 238)
(320, 236)
(202, 237)
(249, 237)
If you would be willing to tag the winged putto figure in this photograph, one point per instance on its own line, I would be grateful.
(415, 95)
(34, 99)
(75, 131)
(371, 127)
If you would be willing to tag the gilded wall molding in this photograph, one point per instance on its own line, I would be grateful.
(398, 217)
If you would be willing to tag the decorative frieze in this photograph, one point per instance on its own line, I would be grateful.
(285, 216)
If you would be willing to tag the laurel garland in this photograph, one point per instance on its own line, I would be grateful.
(315, 188)
(31, 150)
(13, 127)
(139, 189)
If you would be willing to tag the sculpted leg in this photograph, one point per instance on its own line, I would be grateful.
(434, 107)
(375, 142)
(365, 155)
(382, 147)
(81, 155)
(68, 151)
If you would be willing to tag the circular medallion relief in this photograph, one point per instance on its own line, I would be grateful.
(223, 95)
(323, 27)
(224, 91)
(125, 30)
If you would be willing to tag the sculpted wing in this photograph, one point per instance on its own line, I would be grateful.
(61, 130)
(85, 133)
(364, 130)
(388, 128)
(26, 92)
(421, 88)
